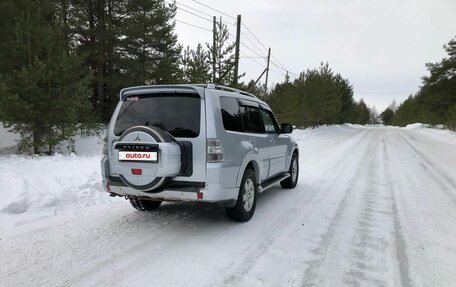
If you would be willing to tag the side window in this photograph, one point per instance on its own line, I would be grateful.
(270, 124)
(252, 120)
(231, 114)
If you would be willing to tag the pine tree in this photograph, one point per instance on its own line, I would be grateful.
(94, 34)
(223, 53)
(387, 116)
(197, 67)
(45, 93)
(151, 54)
(347, 103)
(283, 100)
(362, 113)
(320, 98)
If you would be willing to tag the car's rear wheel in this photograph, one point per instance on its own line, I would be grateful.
(246, 201)
(144, 205)
(291, 181)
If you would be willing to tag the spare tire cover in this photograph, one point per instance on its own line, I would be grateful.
(153, 174)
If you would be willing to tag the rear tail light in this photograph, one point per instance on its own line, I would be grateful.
(214, 150)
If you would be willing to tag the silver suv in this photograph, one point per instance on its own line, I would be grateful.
(203, 143)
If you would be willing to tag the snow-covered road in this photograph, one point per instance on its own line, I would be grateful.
(373, 207)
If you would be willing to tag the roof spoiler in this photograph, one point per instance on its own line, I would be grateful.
(124, 92)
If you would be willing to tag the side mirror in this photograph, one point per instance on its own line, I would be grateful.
(286, 128)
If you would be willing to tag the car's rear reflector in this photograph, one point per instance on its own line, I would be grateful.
(136, 171)
(199, 195)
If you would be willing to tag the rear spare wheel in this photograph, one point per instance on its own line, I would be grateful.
(147, 158)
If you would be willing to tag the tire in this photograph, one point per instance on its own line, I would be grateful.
(291, 181)
(153, 136)
(246, 201)
(144, 205)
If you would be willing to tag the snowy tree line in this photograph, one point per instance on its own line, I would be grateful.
(318, 96)
(435, 102)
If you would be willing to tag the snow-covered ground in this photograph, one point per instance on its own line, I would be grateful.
(374, 206)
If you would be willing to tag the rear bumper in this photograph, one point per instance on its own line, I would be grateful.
(207, 194)
(216, 189)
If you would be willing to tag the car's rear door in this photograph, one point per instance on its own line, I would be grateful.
(277, 143)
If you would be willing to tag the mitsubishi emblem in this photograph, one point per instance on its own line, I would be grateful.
(137, 138)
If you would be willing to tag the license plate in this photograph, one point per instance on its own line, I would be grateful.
(138, 156)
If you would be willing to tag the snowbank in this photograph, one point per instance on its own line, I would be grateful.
(39, 187)
(438, 132)
(417, 126)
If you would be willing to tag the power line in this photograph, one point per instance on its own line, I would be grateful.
(194, 9)
(283, 66)
(202, 4)
(196, 26)
(253, 43)
(252, 59)
(198, 11)
(279, 66)
(286, 70)
(204, 18)
(254, 36)
(277, 72)
(248, 47)
(252, 50)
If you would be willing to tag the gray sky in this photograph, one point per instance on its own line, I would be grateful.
(380, 46)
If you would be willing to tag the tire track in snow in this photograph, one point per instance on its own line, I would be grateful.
(311, 274)
(370, 245)
(399, 240)
(424, 212)
(108, 253)
(275, 230)
(432, 170)
(429, 162)
(131, 248)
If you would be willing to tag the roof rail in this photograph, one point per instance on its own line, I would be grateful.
(229, 89)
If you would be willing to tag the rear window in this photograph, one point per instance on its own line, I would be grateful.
(178, 114)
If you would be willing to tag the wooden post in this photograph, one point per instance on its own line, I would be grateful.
(236, 54)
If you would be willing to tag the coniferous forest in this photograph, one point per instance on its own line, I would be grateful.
(435, 102)
(63, 63)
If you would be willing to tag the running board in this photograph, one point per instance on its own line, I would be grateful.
(267, 184)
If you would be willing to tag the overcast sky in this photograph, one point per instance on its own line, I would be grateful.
(380, 46)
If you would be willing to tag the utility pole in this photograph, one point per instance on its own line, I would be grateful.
(267, 70)
(214, 52)
(236, 53)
